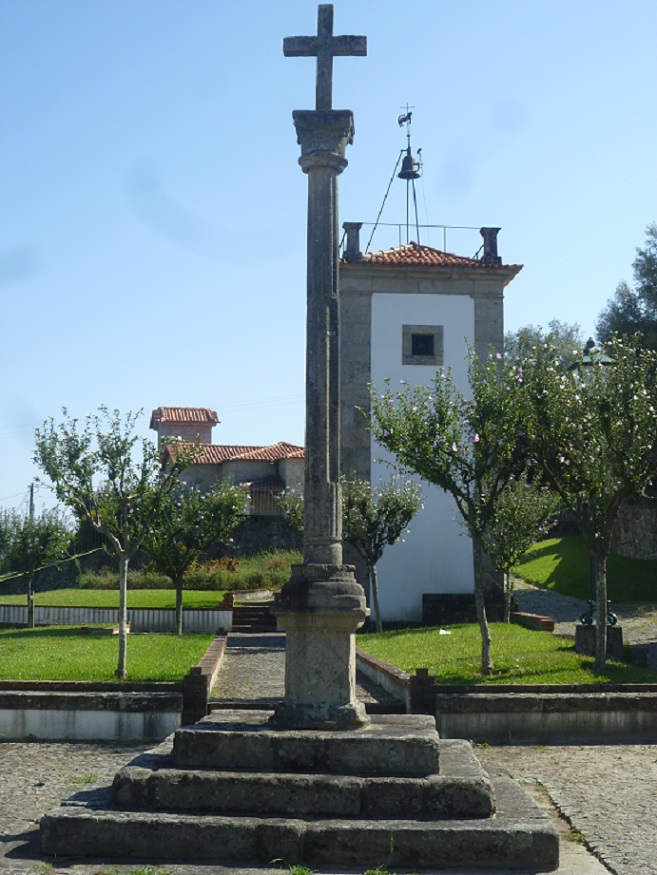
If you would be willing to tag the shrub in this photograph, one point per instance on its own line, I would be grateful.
(268, 570)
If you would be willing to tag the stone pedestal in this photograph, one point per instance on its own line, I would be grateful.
(585, 641)
(320, 609)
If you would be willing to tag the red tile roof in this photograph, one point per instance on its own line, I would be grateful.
(183, 415)
(417, 255)
(217, 454)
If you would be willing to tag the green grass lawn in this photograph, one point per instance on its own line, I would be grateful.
(520, 656)
(562, 564)
(64, 653)
(101, 598)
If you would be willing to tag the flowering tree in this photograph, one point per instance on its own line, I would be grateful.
(29, 543)
(469, 446)
(291, 504)
(371, 519)
(594, 436)
(186, 522)
(113, 478)
(522, 514)
(375, 518)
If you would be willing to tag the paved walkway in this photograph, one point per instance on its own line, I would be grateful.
(606, 796)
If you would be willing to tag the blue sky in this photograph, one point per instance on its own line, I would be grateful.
(152, 218)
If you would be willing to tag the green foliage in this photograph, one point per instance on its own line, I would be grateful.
(112, 477)
(635, 310)
(562, 565)
(470, 446)
(291, 504)
(29, 543)
(593, 435)
(270, 570)
(65, 653)
(564, 338)
(107, 474)
(374, 518)
(524, 512)
(522, 657)
(187, 521)
(108, 579)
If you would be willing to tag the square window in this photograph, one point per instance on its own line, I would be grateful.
(422, 345)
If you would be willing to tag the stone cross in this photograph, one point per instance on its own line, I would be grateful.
(324, 47)
(322, 605)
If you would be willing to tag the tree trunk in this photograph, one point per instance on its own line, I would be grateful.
(600, 573)
(30, 601)
(375, 599)
(121, 670)
(179, 605)
(508, 595)
(480, 608)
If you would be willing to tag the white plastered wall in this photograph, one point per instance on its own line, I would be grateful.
(436, 556)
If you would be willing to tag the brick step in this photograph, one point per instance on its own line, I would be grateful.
(520, 835)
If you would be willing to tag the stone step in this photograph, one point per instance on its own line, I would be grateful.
(253, 617)
(462, 789)
(391, 745)
(520, 836)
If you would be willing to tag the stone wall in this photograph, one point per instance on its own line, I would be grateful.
(636, 530)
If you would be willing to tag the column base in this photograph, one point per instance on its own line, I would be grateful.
(320, 609)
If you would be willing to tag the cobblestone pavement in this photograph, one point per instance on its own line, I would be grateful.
(607, 796)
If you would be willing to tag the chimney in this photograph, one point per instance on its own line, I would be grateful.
(490, 255)
(352, 250)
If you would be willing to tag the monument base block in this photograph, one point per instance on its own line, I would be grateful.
(232, 790)
(320, 609)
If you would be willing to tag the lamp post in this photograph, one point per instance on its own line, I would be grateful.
(592, 356)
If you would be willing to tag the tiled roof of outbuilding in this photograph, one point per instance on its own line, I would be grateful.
(183, 415)
(217, 454)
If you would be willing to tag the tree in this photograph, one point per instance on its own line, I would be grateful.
(523, 513)
(371, 519)
(566, 339)
(631, 311)
(594, 436)
(376, 518)
(113, 478)
(187, 521)
(30, 542)
(471, 447)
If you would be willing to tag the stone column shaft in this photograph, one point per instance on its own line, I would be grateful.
(322, 604)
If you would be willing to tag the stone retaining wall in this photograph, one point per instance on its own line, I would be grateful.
(515, 714)
(635, 533)
(120, 711)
